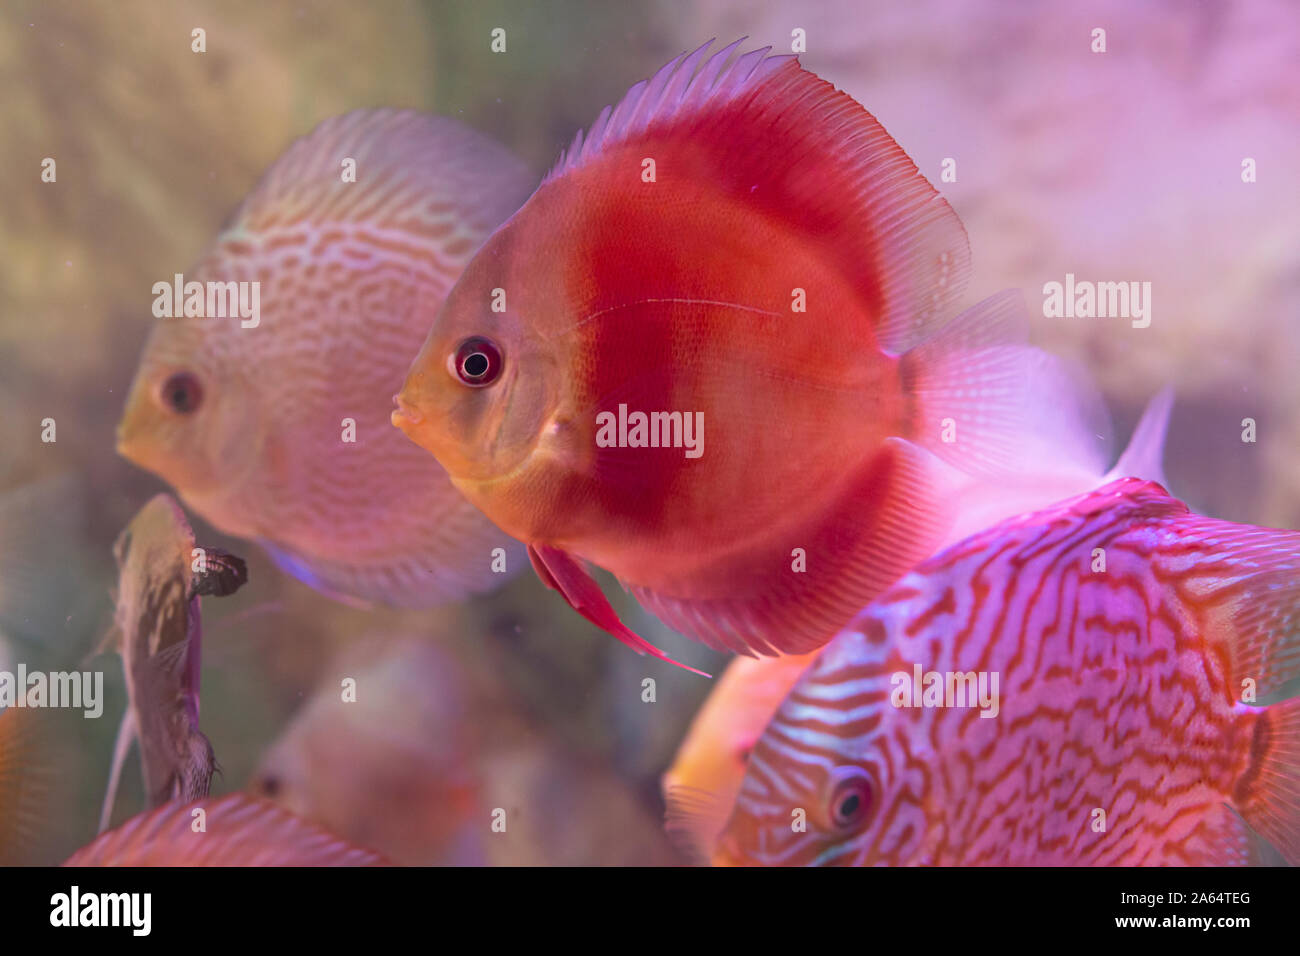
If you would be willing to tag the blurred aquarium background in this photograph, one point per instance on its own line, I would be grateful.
(1123, 166)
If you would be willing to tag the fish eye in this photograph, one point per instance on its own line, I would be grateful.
(476, 362)
(182, 393)
(851, 799)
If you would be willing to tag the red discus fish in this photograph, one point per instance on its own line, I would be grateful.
(712, 354)
(235, 830)
(1093, 684)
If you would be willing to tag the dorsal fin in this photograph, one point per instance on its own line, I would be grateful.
(416, 173)
(787, 144)
(1144, 456)
(674, 90)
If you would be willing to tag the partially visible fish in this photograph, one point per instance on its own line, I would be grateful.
(25, 778)
(278, 432)
(397, 768)
(700, 787)
(235, 830)
(1136, 654)
(161, 576)
(715, 353)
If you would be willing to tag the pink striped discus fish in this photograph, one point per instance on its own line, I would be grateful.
(236, 830)
(1096, 683)
(275, 427)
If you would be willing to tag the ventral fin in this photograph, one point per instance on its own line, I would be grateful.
(562, 573)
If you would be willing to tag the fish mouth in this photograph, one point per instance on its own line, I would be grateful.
(126, 443)
(405, 415)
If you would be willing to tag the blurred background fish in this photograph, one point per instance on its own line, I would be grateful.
(1139, 659)
(273, 425)
(742, 249)
(158, 630)
(235, 830)
(395, 766)
(417, 765)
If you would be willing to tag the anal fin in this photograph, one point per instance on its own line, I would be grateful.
(797, 591)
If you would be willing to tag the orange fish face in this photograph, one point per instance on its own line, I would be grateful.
(188, 419)
(482, 394)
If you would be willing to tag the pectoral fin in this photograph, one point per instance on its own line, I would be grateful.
(224, 574)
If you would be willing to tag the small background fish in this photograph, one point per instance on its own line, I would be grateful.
(159, 631)
(417, 765)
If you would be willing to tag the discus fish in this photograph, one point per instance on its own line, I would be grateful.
(712, 354)
(278, 432)
(395, 769)
(1097, 683)
(237, 830)
(161, 577)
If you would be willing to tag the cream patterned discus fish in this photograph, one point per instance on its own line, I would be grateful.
(275, 428)
(1099, 685)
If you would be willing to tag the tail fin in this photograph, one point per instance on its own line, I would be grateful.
(990, 405)
(1268, 796)
(1144, 456)
(1250, 578)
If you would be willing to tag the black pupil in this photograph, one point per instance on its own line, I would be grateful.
(475, 365)
(850, 805)
(182, 392)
